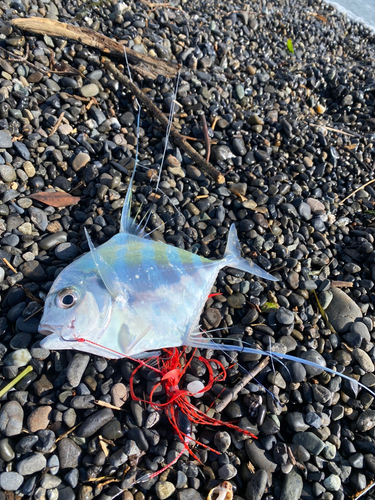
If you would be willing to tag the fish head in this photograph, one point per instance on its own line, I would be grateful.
(77, 309)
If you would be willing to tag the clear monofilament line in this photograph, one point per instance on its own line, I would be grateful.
(278, 356)
(170, 121)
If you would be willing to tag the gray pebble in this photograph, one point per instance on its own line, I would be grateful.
(10, 481)
(76, 368)
(34, 463)
(11, 419)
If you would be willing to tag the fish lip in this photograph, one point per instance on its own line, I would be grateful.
(45, 330)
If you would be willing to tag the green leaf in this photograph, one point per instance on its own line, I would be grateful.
(269, 307)
(290, 46)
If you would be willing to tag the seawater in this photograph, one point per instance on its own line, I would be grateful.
(362, 11)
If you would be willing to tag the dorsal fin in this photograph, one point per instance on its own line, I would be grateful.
(128, 225)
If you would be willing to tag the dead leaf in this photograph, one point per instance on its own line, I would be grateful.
(56, 200)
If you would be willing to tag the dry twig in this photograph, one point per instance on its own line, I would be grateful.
(356, 191)
(237, 388)
(57, 124)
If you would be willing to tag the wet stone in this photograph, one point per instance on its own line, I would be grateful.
(33, 271)
(284, 316)
(292, 486)
(236, 300)
(259, 457)
(366, 421)
(11, 419)
(66, 251)
(257, 485)
(94, 422)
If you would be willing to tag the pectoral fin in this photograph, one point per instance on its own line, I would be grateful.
(107, 273)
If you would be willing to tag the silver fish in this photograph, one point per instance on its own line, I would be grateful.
(133, 294)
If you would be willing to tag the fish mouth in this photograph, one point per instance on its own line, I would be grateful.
(45, 330)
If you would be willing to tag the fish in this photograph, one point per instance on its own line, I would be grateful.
(132, 296)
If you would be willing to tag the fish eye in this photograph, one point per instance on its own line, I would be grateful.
(67, 298)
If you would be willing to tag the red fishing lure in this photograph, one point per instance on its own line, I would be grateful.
(172, 366)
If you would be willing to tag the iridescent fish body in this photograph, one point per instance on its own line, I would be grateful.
(133, 294)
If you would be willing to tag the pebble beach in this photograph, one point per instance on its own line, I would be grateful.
(287, 90)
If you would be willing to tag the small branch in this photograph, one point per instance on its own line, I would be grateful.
(57, 124)
(237, 388)
(177, 137)
(356, 191)
(141, 63)
(342, 284)
(7, 263)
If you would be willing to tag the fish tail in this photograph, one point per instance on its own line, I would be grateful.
(232, 257)
(209, 344)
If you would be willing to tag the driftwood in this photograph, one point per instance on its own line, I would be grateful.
(177, 137)
(143, 64)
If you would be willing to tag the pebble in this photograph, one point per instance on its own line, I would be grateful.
(292, 486)
(259, 457)
(366, 421)
(11, 419)
(39, 418)
(33, 463)
(332, 482)
(18, 358)
(164, 489)
(5, 140)
(257, 485)
(69, 453)
(10, 481)
(310, 441)
(94, 422)
(342, 311)
(119, 394)
(76, 369)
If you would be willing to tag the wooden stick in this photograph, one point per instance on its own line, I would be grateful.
(7, 263)
(356, 191)
(177, 137)
(57, 124)
(141, 63)
(237, 388)
(341, 284)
